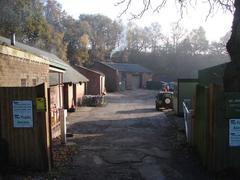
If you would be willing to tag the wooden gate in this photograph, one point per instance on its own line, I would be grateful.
(211, 130)
(24, 126)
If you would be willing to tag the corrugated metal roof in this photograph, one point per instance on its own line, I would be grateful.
(70, 76)
(125, 67)
(52, 58)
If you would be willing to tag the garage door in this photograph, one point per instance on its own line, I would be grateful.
(136, 81)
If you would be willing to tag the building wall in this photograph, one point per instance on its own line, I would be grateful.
(80, 92)
(94, 86)
(111, 75)
(133, 81)
(186, 92)
(129, 77)
(114, 78)
(68, 95)
(145, 77)
(73, 94)
(102, 85)
(136, 81)
(18, 68)
(128, 81)
(212, 75)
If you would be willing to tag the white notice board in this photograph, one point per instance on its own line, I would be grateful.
(22, 114)
(234, 132)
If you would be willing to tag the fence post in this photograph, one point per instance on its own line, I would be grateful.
(185, 111)
(63, 117)
(188, 123)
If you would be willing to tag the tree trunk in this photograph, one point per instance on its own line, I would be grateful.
(232, 72)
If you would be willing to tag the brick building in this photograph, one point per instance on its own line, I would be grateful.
(74, 87)
(23, 65)
(96, 84)
(18, 68)
(121, 76)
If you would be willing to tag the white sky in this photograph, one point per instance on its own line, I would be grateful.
(216, 26)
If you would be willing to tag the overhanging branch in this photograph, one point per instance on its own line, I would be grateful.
(213, 4)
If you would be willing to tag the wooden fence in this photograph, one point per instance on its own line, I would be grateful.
(28, 143)
(211, 130)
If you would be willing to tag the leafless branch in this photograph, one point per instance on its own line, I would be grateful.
(210, 10)
(213, 4)
(228, 4)
(224, 4)
(160, 6)
(127, 7)
(182, 7)
(146, 4)
(146, 7)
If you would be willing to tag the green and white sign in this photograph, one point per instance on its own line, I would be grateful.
(234, 132)
(232, 103)
(22, 114)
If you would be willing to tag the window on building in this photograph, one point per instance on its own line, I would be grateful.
(34, 82)
(23, 82)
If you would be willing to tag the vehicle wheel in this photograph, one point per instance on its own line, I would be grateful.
(157, 107)
(167, 102)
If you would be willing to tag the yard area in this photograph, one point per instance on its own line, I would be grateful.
(129, 139)
(126, 139)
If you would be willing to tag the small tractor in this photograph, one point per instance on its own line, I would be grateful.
(164, 100)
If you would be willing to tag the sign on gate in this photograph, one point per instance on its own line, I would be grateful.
(25, 130)
(234, 132)
(232, 102)
(40, 104)
(22, 114)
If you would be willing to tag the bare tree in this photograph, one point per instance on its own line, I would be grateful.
(178, 33)
(231, 75)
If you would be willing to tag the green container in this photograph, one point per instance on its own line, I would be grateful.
(154, 85)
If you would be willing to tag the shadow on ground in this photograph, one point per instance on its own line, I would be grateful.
(137, 111)
(137, 148)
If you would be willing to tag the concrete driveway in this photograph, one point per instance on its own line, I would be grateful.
(127, 139)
